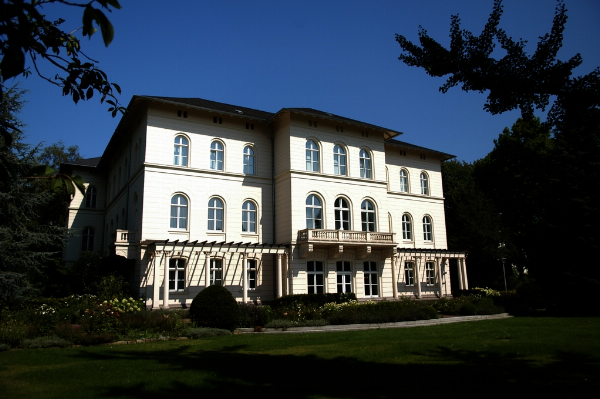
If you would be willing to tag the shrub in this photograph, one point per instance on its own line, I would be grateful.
(280, 323)
(202, 332)
(46, 342)
(468, 309)
(215, 307)
(4, 347)
(252, 315)
(383, 312)
(430, 312)
(312, 299)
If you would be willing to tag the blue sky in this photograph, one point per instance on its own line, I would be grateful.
(335, 56)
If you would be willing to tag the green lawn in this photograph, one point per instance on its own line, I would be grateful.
(510, 357)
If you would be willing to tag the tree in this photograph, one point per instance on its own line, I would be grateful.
(552, 208)
(57, 153)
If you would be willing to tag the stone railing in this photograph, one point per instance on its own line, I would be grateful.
(344, 236)
(123, 236)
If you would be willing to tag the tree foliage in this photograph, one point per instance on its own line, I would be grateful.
(540, 175)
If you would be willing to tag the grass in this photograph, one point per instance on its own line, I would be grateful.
(515, 357)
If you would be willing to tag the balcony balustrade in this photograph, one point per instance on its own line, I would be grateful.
(123, 236)
(345, 237)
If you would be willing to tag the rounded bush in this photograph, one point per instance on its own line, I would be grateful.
(468, 309)
(215, 307)
(430, 312)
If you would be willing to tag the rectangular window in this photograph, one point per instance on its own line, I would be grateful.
(315, 278)
(344, 276)
(251, 273)
(371, 279)
(216, 272)
(430, 273)
(409, 274)
(176, 275)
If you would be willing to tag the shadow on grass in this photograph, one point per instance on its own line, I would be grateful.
(443, 371)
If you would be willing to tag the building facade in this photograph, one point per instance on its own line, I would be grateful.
(196, 192)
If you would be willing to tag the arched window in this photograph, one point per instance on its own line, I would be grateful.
(367, 214)
(339, 160)
(180, 153)
(403, 181)
(215, 214)
(342, 214)
(314, 209)
(248, 160)
(179, 212)
(312, 156)
(427, 231)
(249, 217)
(176, 274)
(424, 184)
(87, 239)
(406, 228)
(90, 197)
(216, 155)
(365, 164)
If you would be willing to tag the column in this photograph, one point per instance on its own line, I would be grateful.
(244, 278)
(394, 278)
(460, 274)
(156, 284)
(290, 272)
(279, 276)
(206, 269)
(439, 262)
(166, 282)
(464, 267)
(418, 276)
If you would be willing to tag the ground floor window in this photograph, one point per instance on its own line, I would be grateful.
(176, 275)
(216, 272)
(344, 276)
(315, 278)
(371, 279)
(409, 274)
(430, 273)
(251, 273)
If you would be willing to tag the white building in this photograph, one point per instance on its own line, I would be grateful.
(197, 192)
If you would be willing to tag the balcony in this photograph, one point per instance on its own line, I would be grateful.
(123, 236)
(345, 237)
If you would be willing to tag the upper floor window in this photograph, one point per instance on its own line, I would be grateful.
(90, 197)
(314, 210)
(179, 212)
(365, 164)
(339, 160)
(216, 155)
(367, 214)
(249, 217)
(176, 274)
(342, 214)
(180, 152)
(424, 183)
(406, 228)
(248, 160)
(215, 214)
(87, 239)
(312, 156)
(403, 181)
(427, 231)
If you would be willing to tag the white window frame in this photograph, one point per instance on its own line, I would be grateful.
(252, 273)
(339, 160)
(249, 165)
(314, 212)
(430, 273)
(341, 209)
(315, 278)
(216, 214)
(366, 166)
(179, 212)
(365, 214)
(87, 238)
(427, 229)
(249, 217)
(217, 155)
(343, 276)
(409, 274)
(404, 187)
(216, 271)
(91, 195)
(181, 150)
(406, 227)
(312, 156)
(177, 274)
(371, 279)
(424, 178)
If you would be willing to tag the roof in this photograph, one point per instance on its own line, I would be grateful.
(214, 106)
(88, 162)
(408, 146)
